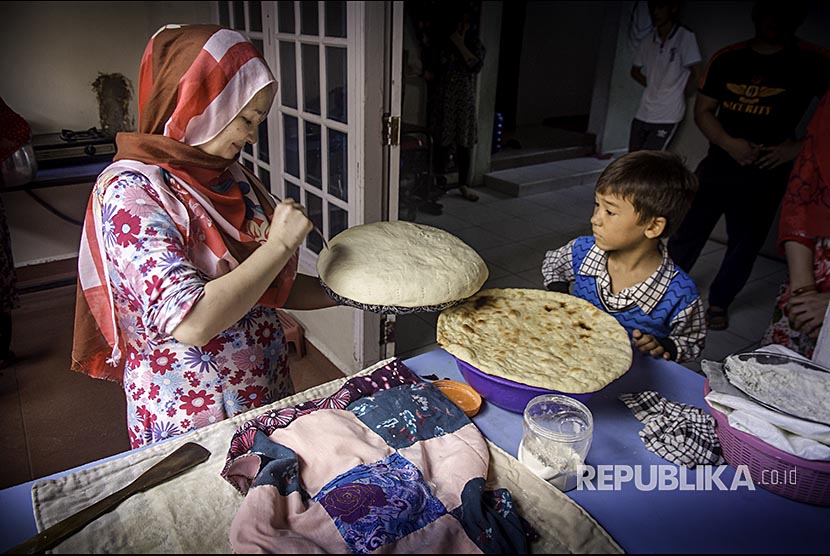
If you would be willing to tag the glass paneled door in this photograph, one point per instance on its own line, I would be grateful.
(323, 142)
(312, 109)
(308, 128)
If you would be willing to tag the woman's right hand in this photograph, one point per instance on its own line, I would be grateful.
(289, 224)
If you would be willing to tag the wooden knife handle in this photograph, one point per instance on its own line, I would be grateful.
(182, 459)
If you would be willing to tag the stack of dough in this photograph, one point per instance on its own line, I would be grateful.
(545, 339)
(400, 265)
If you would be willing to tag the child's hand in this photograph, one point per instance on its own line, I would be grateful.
(647, 343)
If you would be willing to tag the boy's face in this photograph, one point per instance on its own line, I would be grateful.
(615, 223)
(663, 12)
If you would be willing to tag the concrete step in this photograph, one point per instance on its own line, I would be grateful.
(550, 176)
(515, 158)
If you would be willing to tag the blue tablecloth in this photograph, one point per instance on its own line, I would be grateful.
(672, 520)
(641, 521)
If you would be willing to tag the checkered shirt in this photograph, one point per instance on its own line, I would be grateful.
(688, 327)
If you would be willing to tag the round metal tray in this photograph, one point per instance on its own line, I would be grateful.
(387, 309)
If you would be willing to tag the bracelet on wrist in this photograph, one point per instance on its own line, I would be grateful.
(803, 289)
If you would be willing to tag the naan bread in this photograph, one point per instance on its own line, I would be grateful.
(787, 386)
(545, 339)
(401, 264)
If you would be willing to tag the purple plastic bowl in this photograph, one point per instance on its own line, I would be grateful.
(506, 394)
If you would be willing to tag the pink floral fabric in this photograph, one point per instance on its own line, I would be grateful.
(173, 388)
(781, 330)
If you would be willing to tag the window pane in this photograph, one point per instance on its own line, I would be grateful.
(313, 155)
(248, 163)
(263, 141)
(255, 15)
(335, 19)
(292, 148)
(258, 45)
(238, 15)
(309, 21)
(338, 220)
(285, 16)
(224, 14)
(288, 74)
(292, 191)
(311, 78)
(314, 207)
(336, 83)
(265, 177)
(338, 165)
(248, 149)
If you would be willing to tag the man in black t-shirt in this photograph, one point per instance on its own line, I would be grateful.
(749, 104)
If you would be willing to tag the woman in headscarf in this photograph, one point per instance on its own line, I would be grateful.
(804, 234)
(184, 254)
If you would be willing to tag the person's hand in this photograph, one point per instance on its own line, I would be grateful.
(289, 224)
(647, 343)
(744, 152)
(807, 311)
(778, 154)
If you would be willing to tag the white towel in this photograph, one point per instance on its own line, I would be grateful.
(795, 436)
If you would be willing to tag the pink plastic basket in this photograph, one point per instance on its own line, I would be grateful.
(770, 468)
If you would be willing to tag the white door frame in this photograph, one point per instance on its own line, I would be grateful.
(374, 53)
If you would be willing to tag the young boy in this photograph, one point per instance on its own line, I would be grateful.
(624, 268)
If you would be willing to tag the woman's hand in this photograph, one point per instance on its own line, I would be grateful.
(289, 225)
(779, 154)
(807, 311)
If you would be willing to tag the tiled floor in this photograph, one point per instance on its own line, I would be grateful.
(512, 235)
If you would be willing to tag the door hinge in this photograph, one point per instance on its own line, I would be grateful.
(387, 329)
(391, 130)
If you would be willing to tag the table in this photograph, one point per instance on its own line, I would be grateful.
(64, 175)
(641, 521)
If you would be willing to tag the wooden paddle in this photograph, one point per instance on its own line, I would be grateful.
(185, 457)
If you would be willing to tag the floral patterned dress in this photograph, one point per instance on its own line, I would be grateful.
(173, 388)
(781, 330)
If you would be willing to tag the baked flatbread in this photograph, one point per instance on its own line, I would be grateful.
(787, 385)
(545, 339)
(400, 264)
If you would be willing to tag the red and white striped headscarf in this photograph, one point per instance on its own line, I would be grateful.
(194, 80)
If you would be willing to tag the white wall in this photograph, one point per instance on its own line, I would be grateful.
(52, 52)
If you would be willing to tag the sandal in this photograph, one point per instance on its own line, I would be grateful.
(717, 318)
(468, 193)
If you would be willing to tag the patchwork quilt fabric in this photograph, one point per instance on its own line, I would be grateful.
(385, 464)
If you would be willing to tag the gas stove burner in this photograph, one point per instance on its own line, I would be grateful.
(91, 133)
(53, 150)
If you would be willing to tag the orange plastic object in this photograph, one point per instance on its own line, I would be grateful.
(461, 395)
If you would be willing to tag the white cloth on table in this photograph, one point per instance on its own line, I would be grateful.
(821, 355)
(192, 513)
(795, 436)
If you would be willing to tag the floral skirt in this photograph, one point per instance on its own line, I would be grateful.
(781, 330)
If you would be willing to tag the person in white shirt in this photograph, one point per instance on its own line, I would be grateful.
(667, 64)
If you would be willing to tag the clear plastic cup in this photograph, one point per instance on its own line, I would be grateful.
(557, 436)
